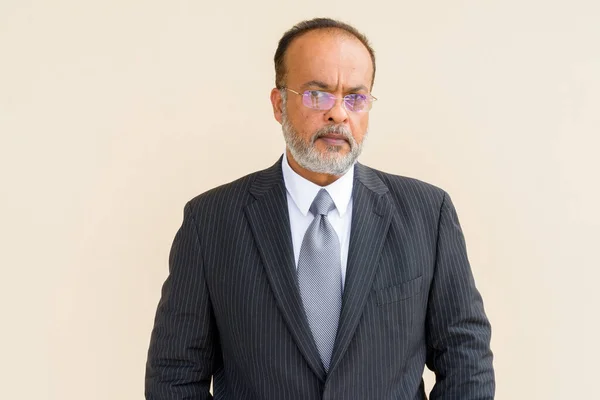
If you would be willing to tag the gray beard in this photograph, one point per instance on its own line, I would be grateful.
(332, 162)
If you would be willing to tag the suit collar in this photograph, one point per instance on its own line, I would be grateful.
(369, 178)
(267, 180)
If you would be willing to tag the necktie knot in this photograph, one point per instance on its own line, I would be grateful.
(322, 204)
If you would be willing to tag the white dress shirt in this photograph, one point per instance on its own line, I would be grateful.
(300, 195)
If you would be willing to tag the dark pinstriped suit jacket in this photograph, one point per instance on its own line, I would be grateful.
(230, 308)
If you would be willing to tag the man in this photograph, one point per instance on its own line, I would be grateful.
(320, 278)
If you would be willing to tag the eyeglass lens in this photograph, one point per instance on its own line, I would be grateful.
(319, 100)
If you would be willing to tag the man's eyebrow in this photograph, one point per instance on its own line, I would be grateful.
(319, 84)
(358, 89)
(324, 86)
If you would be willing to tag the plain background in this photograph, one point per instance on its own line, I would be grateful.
(114, 113)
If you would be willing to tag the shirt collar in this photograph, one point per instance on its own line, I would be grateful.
(303, 192)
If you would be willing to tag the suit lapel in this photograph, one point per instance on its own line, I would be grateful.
(269, 220)
(371, 216)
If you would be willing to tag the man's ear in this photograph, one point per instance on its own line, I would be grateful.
(277, 104)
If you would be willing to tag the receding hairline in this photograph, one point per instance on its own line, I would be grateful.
(327, 31)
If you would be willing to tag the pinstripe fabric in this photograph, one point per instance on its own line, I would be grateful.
(231, 308)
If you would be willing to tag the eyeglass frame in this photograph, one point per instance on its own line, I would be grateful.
(370, 96)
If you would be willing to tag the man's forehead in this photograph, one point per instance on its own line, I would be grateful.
(326, 56)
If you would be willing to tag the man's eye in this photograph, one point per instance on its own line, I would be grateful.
(358, 97)
(316, 93)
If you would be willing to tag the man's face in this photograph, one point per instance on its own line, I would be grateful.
(324, 141)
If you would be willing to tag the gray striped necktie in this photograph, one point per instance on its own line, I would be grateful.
(320, 277)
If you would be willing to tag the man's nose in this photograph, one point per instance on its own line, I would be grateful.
(338, 113)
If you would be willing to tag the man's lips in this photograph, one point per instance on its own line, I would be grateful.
(333, 139)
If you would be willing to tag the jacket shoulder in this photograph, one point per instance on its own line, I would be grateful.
(223, 196)
(410, 188)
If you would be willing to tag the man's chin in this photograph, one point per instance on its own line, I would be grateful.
(327, 150)
(329, 164)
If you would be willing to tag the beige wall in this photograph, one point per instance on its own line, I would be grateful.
(114, 113)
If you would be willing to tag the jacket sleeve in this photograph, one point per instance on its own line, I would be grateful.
(184, 345)
(458, 331)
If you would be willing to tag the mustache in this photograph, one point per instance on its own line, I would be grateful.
(333, 129)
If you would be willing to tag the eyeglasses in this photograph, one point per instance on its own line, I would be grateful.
(319, 100)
